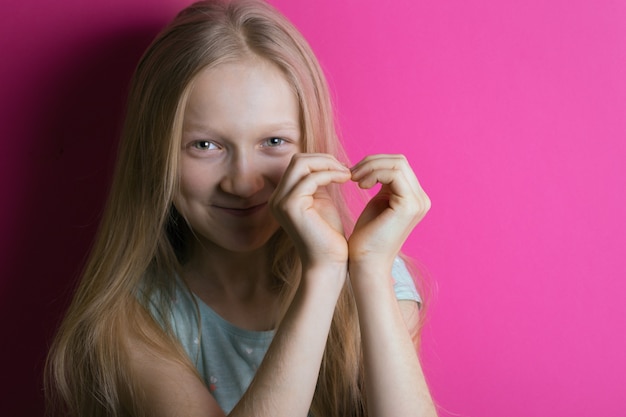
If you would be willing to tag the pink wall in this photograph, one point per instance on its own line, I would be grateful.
(512, 113)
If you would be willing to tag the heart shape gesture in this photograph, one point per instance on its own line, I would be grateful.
(305, 210)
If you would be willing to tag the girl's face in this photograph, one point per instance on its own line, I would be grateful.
(240, 129)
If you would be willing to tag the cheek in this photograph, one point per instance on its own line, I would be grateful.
(194, 185)
(277, 168)
(196, 176)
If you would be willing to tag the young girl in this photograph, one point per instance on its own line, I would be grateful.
(227, 277)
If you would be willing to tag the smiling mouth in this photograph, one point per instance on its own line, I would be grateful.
(242, 212)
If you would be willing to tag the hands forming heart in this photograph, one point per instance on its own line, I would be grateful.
(305, 210)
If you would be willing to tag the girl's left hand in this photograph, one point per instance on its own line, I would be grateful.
(391, 214)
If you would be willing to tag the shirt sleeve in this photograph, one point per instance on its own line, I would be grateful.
(403, 284)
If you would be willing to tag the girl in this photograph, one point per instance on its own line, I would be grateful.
(227, 277)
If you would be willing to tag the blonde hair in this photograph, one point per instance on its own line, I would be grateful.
(141, 240)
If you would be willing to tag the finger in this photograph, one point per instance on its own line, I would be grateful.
(304, 164)
(377, 159)
(362, 172)
(382, 161)
(308, 186)
(395, 181)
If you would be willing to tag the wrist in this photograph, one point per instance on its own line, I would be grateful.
(328, 277)
(370, 278)
(370, 265)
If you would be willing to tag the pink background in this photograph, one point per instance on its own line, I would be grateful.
(513, 114)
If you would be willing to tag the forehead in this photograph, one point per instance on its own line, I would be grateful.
(251, 89)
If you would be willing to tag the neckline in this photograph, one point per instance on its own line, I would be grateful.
(223, 323)
(230, 327)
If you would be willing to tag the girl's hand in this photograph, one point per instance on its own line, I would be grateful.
(303, 207)
(391, 214)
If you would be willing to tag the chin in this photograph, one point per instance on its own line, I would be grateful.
(245, 242)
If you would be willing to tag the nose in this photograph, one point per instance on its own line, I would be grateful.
(242, 176)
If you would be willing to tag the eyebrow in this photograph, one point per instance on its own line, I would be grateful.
(281, 125)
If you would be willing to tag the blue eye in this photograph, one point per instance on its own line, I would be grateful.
(271, 142)
(204, 145)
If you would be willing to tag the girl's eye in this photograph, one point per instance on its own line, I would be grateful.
(204, 145)
(270, 142)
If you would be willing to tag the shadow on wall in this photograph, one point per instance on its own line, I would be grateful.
(76, 116)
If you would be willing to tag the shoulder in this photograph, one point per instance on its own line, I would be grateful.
(169, 384)
(409, 299)
(403, 282)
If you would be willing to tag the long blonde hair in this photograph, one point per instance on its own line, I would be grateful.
(141, 240)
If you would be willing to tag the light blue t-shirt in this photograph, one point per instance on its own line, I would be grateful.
(227, 356)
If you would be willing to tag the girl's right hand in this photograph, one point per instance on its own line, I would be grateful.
(303, 207)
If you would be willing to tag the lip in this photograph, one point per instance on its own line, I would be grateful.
(242, 212)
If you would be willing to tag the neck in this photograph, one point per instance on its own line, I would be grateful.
(235, 274)
(238, 286)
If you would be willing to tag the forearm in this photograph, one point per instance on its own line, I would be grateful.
(285, 382)
(395, 383)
